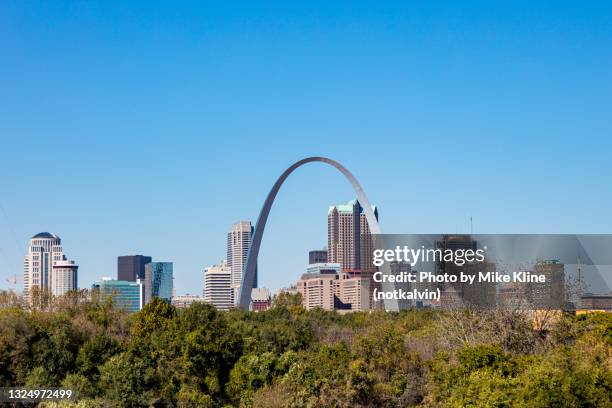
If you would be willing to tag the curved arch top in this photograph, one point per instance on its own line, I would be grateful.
(248, 275)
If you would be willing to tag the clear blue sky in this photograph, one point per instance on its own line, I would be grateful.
(150, 128)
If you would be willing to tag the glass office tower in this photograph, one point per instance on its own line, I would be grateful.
(158, 281)
(125, 295)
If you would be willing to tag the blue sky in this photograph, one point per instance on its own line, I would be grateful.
(151, 127)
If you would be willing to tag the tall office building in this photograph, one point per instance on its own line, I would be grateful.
(218, 289)
(46, 251)
(158, 281)
(125, 294)
(64, 277)
(550, 294)
(477, 294)
(349, 241)
(238, 244)
(132, 267)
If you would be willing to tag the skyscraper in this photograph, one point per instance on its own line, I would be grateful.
(132, 267)
(480, 294)
(350, 244)
(158, 281)
(218, 289)
(551, 293)
(349, 240)
(238, 244)
(46, 251)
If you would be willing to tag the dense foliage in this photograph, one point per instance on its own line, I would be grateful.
(288, 357)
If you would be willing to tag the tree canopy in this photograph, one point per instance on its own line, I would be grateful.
(290, 357)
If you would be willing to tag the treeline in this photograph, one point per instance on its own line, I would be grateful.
(288, 357)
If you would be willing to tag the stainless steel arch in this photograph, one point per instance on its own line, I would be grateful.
(248, 275)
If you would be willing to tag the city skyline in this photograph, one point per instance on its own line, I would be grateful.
(126, 137)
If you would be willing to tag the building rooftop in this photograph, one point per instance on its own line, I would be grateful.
(346, 208)
(45, 235)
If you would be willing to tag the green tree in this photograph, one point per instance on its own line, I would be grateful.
(128, 380)
(156, 315)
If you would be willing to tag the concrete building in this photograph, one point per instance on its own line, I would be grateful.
(590, 301)
(238, 244)
(132, 267)
(45, 251)
(319, 290)
(64, 278)
(126, 295)
(325, 285)
(355, 291)
(159, 281)
(218, 289)
(551, 293)
(349, 239)
(477, 294)
(317, 256)
(185, 301)
(260, 299)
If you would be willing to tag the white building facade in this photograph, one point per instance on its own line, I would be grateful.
(64, 277)
(238, 243)
(218, 289)
(46, 267)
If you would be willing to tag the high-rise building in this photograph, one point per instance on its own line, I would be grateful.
(477, 294)
(158, 281)
(44, 252)
(551, 293)
(238, 244)
(349, 240)
(125, 294)
(64, 277)
(350, 244)
(317, 256)
(218, 289)
(132, 267)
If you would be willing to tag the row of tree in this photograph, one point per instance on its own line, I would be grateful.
(290, 357)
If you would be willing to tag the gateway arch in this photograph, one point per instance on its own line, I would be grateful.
(248, 276)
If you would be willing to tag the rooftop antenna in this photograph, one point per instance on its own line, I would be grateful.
(471, 226)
